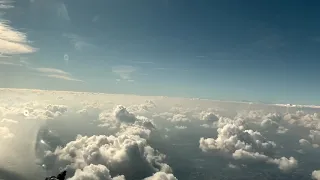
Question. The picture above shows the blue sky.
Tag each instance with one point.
(229, 50)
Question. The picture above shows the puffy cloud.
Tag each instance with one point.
(179, 118)
(94, 172)
(300, 118)
(282, 130)
(268, 123)
(285, 164)
(123, 153)
(243, 154)
(48, 112)
(232, 166)
(208, 117)
(234, 137)
(161, 176)
(316, 175)
(146, 107)
(315, 136)
(5, 133)
(304, 142)
(122, 115)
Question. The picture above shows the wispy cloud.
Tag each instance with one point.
(63, 11)
(78, 42)
(64, 77)
(56, 73)
(51, 70)
(12, 41)
(10, 63)
(125, 72)
(5, 5)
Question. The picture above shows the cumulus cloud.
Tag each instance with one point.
(234, 137)
(32, 111)
(300, 118)
(126, 153)
(232, 166)
(179, 118)
(119, 115)
(304, 142)
(143, 108)
(94, 172)
(282, 130)
(125, 143)
(208, 117)
(316, 175)
(284, 163)
(161, 176)
(119, 154)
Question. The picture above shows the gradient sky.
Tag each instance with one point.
(229, 50)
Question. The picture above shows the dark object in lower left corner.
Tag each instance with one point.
(61, 176)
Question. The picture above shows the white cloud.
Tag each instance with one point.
(67, 78)
(119, 154)
(179, 118)
(232, 166)
(285, 164)
(5, 133)
(10, 63)
(304, 142)
(282, 130)
(208, 117)
(316, 175)
(181, 127)
(12, 41)
(131, 131)
(161, 176)
(56, 73)
(10, 121)
(234, 137)
(6, 4)
(94, 172)
(51, 71)
(303, 119)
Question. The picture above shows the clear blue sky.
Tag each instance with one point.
(266, 50)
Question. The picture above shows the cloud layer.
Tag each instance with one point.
(101, 136)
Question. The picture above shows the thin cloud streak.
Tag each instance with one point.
(63, 77)
(51, 70)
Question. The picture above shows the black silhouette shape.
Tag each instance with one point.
(61, 176)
